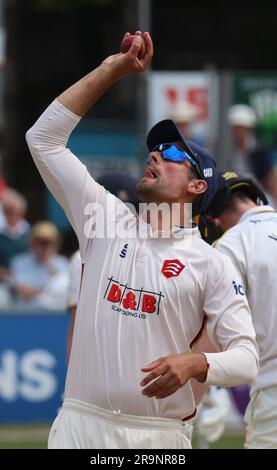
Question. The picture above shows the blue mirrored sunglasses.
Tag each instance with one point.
(176, 154)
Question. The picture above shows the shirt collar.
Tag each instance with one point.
(146, 231)
(256, 211)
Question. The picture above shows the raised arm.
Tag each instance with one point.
(64, 175)
(83, 94)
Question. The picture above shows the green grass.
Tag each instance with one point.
(229, 440)
(24, 437)
(35, 437)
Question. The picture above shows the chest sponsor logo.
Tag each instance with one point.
(128, 301)
(172, 268)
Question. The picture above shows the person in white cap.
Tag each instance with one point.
(242, 119)
(39, 277)
(184, 115)
(250, 158)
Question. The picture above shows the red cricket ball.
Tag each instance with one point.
(127, 42)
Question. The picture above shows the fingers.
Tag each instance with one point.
(157, 387)
(135, 47)
(157, 372)
(152, 365)
(147, 39)
(149, 49)
(129, 63)
(166, 375)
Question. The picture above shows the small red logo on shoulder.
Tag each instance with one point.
(172, 268)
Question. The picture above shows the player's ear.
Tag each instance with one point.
(197, 186)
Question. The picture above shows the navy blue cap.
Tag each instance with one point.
(166, 131)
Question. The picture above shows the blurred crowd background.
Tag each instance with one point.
(213, 72)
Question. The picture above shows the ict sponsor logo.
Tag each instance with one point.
(238, 288)
(136, 303)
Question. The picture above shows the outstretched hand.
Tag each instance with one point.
(128, 63)
(85, 92)
(172, 372)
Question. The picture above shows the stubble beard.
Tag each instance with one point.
(148, 193)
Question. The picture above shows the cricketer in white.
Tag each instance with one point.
(130, 312)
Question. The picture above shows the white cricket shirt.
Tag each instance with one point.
(131, 309)
(252, 245)
(75, 273)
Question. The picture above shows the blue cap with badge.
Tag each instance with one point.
(160, 138)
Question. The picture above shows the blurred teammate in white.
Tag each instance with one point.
(145, 290)
(250, 239)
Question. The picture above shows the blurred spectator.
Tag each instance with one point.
(184, 115)
(250, 158)
(40, 277)
(14, 230)
(3, 185)
(3, 189)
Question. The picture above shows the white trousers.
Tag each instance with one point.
(82, 426)
(261, 420)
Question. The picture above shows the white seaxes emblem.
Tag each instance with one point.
(172, 268)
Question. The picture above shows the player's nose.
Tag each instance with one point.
(154, 157)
